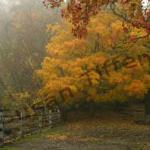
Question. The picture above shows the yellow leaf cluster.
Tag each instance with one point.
(136, 89)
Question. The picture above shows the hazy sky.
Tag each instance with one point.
(9, 2)
(145, 3)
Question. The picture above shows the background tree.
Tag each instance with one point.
(22, 41)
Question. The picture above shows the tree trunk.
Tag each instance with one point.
(147, 107)
(64, 113)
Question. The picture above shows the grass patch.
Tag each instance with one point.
(36, 136)
(8, 148)
(43, 134)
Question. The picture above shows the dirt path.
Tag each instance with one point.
(75, 143)
(108, 133)
(121, 140)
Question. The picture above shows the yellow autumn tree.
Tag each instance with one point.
(78, 70)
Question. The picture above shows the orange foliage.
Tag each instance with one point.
(78, 64)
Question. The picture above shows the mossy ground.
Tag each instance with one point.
(105, 131)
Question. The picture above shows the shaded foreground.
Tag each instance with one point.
(103, 132)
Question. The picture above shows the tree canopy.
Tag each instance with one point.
(102, 67)
(79, 12)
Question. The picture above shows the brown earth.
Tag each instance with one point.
(105, 131)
